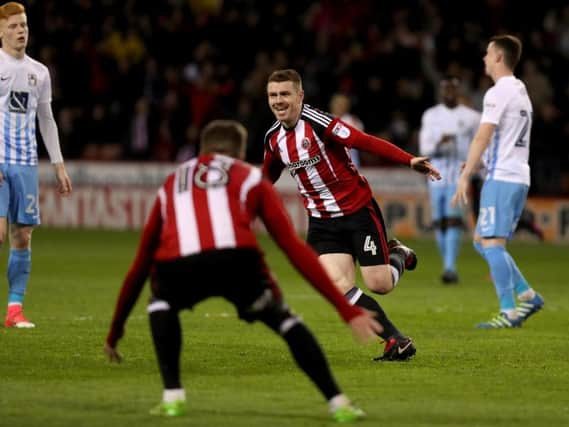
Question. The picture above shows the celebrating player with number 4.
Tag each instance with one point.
(345, 221)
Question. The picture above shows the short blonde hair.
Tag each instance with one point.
(10, 9)
(225, 137)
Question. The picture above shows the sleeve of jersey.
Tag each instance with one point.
(427, 138)
(347, 135)
(272, 167)
(48, 129)
(137, 274)
(279, 226)
(493, 107)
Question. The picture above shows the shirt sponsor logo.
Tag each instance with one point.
(303, 164)
(341, 131)
(18, 102)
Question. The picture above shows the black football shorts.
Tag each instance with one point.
(239, 275)
(361, 234)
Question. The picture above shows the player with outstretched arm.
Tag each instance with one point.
(198, 243)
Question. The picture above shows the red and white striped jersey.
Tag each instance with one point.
(204, 205)
(208, 204)
(316, 154)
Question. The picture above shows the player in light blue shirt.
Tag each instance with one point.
(503, 139)
(446, 132)
(25, 93)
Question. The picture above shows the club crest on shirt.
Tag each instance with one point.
(32, 79)
(341, 131)
(306, 143)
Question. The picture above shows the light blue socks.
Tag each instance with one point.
(502, 275)
(452, 245)
(440, 238)
(521, 285)
(19, 266)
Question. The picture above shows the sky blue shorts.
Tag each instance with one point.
(19, 194)
(501, 204)
(440, 197)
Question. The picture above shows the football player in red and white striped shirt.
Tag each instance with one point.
(198, 243)
(345, 222)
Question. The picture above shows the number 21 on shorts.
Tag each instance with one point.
(487, 215)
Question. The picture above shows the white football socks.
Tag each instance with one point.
(173, 394)
(338, 401)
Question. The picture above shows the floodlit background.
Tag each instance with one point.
(138, 80)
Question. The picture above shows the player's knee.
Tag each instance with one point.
(478, 247)
(271, 311)
(381, 282)
(454, 222)
(157, 305)
(288, 322)
(439, 224)
(341, 281)
(21, 237)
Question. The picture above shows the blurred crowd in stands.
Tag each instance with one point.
(137, 80)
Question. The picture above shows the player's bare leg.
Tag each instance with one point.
(341, 269)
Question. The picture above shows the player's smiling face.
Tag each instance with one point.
(14, 32)
(285, 100)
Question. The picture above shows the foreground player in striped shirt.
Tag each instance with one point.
(198, 243)
(25, 92)
(345, 221)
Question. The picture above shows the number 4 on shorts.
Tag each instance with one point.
(369, 246)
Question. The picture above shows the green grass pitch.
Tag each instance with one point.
(237, 374)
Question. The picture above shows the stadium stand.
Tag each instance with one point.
(137, 80)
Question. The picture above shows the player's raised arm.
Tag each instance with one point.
(345, 134)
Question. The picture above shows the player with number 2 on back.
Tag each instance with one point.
(345, 222)
(503, 138)
(25, 92)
